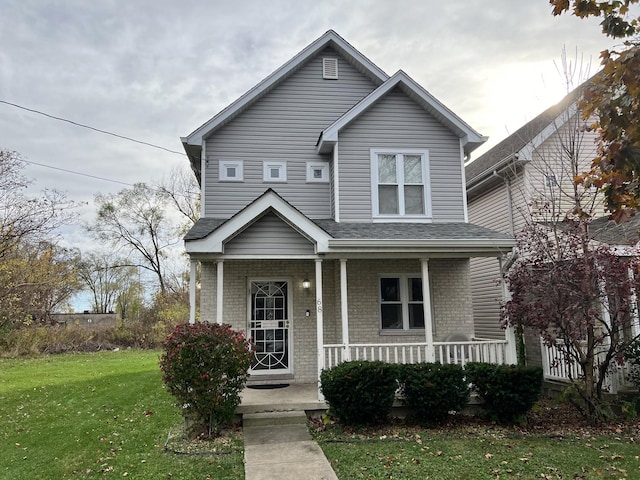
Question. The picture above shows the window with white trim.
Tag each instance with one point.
(317, 172)
(273, 171)
(231, 171)
(400, 184)
(401, 302)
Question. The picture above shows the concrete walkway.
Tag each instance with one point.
(277, 445)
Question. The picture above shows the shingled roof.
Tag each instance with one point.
(521, 138)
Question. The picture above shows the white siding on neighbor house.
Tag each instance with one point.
(396, 121)
(270, 235)
(284, 125)
(550, 158)
(491, 211)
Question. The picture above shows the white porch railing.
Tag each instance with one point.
(556, 367)
(489, 351)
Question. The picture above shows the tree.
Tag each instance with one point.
(578, 297)
(566, 286)
(183, 192)
(614, 98)
(36, 275)
(106, 278)
(35, 281)
(24, 218)
(136, 220)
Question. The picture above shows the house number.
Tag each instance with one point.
(319, 306)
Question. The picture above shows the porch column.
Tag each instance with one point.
(219, 289)
(344, 310)
(192, 292)
(509, 332)
(426, 305)
(319, 324)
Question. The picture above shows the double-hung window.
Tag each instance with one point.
(400, 184)
(401, 302)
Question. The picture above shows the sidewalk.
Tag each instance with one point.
(278, 446)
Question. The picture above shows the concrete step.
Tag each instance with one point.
(274, 418)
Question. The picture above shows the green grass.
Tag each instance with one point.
(479, 454)
(96, 415)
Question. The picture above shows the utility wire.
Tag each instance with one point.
(92, 128)
(76, 173)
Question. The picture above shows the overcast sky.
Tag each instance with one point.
(156, 70)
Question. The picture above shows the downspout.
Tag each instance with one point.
(507, 183)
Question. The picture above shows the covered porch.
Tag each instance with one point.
(314, 293)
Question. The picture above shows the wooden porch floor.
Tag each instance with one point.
(295, 396)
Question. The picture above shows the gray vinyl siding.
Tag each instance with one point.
(396, 121)
(284, 125)
(489, 210)
(269, 236)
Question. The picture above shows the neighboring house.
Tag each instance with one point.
(529, 177)
(334, 219)
(508, 184)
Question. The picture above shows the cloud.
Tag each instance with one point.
(156, 70)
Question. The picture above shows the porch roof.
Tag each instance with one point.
(442, 239)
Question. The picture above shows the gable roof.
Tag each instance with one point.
(471, 139)
(519, 145)
(192, 142)
(209, 235)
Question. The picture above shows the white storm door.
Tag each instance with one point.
(269, 326)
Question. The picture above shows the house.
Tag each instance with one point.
(334, 219)
(529, 178)
(514, 182)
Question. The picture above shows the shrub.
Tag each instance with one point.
(508, 391)
(632, 355)
(360, 392)
(205, 367)
(432, 390)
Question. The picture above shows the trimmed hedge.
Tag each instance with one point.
(360, 392)
(432, 390)
(508, 391)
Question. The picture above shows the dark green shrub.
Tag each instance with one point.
(432, 390)
(360, 392)
(205, 367)
(508, 391)
(632, 355)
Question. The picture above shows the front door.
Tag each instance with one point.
(269, 325)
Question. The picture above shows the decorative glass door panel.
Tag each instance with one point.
(269, 326)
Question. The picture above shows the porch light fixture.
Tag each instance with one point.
(306, 284)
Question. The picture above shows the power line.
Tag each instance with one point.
(92, 128)
(76, 173)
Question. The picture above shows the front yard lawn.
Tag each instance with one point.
(97, 415)
(482, 451)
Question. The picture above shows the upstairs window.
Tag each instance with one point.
(274, 171)
(231, 171)
(400, 184)
(317, 172)
(401, 303)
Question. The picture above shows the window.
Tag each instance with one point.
(317, 172)
(231, 171)
(274, 171)
(400, 183)
(401, 303)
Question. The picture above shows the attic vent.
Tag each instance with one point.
(330, 68)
